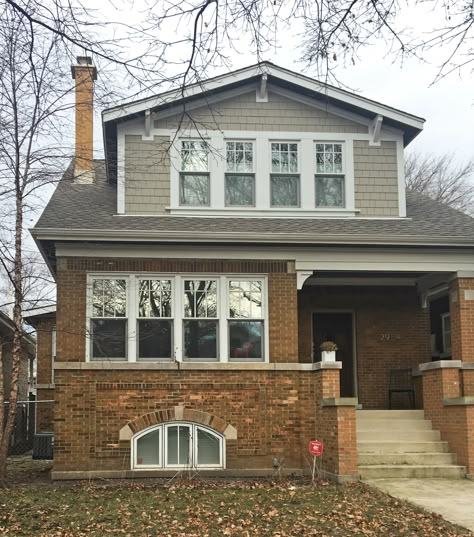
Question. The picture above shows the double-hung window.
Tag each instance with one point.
(284, 178)
(200, 323)
(329, 177)
(108, 323)
(246, 330)
(446, 330)
(240, 174)
(194, 187)
(154, 319)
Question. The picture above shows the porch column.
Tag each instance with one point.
(461, 306)
(449, 408)
(335, 423)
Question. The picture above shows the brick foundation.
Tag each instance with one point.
(274, 413)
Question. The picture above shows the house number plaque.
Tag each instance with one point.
(389, 337)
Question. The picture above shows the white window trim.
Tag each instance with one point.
(193, 448)
(262, 171)
(177, 309)
(342, 174)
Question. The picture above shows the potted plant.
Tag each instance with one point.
(328, 351)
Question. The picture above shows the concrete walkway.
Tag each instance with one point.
(453, 499)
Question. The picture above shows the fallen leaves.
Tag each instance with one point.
(212, 508)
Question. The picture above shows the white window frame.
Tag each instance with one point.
(206, 172)
(285, 174)
(90, 316)
(234, 173)
(163, 452)
(177, 307)
(137, 318)
(262, 166)
(341, 174)
(263, 319)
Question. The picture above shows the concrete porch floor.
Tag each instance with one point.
(453, 499)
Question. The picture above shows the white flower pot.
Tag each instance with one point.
(328, 356)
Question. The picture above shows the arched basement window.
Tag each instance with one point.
(178, 445)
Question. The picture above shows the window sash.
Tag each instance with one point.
(194, 156)
(250, 189)
(284, 157)
(329, 158)
(194, 196)
(240, 156)
(336, 186)
(277, 182)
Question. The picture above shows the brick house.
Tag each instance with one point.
(232, 228)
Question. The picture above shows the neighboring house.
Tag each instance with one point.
(233, 227)
(26, 381)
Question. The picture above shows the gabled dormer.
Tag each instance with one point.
(261, 141)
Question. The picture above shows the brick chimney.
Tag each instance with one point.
(84, 73)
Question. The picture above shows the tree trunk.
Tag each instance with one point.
(6, 433)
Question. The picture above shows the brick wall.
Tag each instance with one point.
(455, 423)
(71, 293)
(275, 413)
(378, 310)
(461, 305)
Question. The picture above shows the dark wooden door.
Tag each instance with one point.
(337, 327)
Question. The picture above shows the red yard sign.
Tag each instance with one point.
(316, 448)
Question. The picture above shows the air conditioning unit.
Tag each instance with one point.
(43, 446)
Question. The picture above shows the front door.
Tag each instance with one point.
(337, 327)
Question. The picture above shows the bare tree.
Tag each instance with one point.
(443, 179)
(180, 41)
(32, 154)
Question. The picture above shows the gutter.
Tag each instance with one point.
(239, 237)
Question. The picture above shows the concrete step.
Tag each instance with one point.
(394, 434)
(390, 425)
(383, 446)
(389, 471)
(390, 414)
(417, 459)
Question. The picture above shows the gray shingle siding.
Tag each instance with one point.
(278, 114)
(147, 175)
(376, 178)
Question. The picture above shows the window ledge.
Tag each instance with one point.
(252, 212)
(198, 366)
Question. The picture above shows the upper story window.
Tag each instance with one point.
(284, 178)
(194, 188)
(161, 318)
(240, 174)
(329, 177)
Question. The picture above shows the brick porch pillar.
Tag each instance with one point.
(449, 408)
(461, 305)
(335, 424)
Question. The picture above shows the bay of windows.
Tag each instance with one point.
(178, 445)
(191, 318)
(288, 169)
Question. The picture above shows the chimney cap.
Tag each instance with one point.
(84, 60)
(84, 63)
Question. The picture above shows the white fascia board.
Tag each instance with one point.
(307, 260)
(255, 70)
(257, 238)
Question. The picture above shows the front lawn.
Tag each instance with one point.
(211, 508)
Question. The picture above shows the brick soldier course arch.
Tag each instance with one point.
(177, 413)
